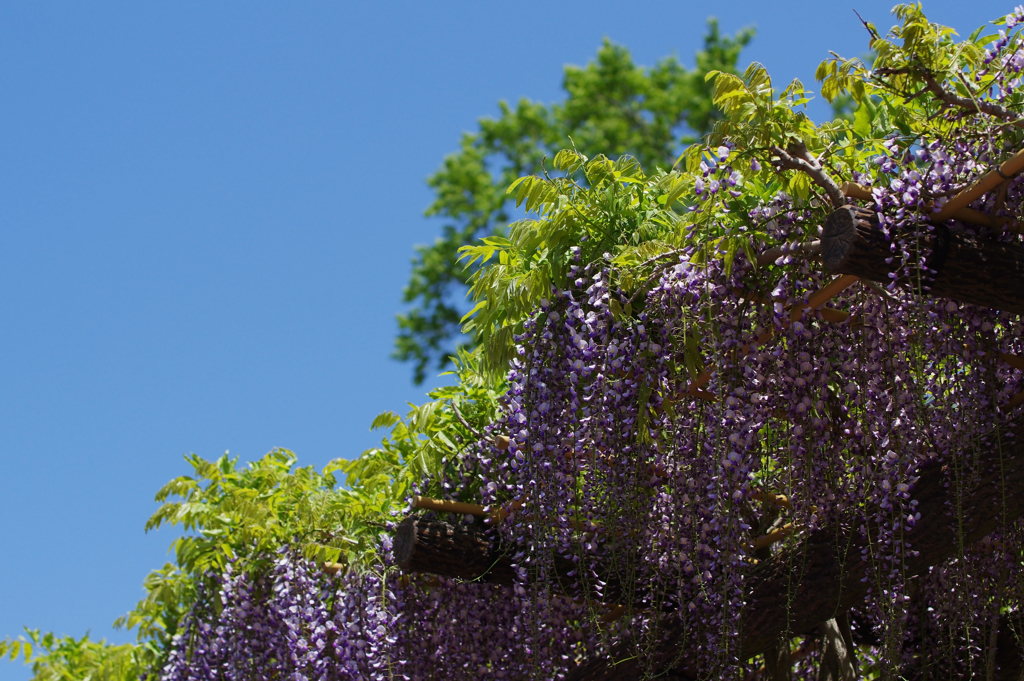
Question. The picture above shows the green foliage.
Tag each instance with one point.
(636, 223)
(777, 132)
(169, 594)
(244, 513)
(612, 107)
(615, 210)
(69, 659)
(429, 441)
(919, 72)
(234, 512)
(633, 222)
(581, 209)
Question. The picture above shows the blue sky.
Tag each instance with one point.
(207, 212)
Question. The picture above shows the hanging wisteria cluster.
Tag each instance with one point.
(653, 449)
(655, 483)
(647, 451)
(293, 622)
(298, 622)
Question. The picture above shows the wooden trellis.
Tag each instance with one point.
(963, 268)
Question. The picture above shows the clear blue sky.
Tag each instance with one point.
(207, 212)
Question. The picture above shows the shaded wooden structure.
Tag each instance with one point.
(933, 260)
(828, 559)
(941, 263)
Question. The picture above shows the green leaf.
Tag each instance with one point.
(476, 308)
(524, 190)
(385, 419)
(678, 189)
(863, 118)
(567, 160)
(691, 157)
(627, 166)
(616, 308)
(518, 181)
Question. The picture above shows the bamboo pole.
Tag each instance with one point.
(448, 506)
(444, 506)
(775, 535)
(777, 499)
(817, 299)
(833, 315)
(852, 190)
(833, 289)
(990, 181)
(975, 217)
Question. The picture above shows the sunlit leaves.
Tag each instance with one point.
(619, 210)
(838, 76)
(385, 419)
(66, 658)
(602, 210)
(611, 106)
(234, 512)
(632, 221)
(242, 514)
(756, 119)
(922, 77)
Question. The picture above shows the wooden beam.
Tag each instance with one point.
(474, 553)
(446, 506)
(974, 217)
(987, 183)
(970, 269)
(440, 548)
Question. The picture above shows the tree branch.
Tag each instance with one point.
(465, 424)
(972, 105)
(950, 98)
(796, 157)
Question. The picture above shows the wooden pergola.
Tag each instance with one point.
(960, 267)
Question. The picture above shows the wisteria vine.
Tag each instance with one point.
(663, 445)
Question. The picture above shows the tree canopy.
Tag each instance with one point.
(753, 413)
(612, 106)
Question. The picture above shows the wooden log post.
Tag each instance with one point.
(967, 269)
(472, 553)
(440, 548)
(838, 654)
